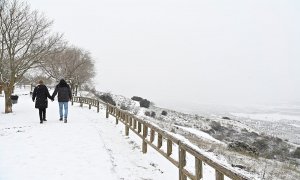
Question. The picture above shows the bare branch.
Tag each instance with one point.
(25, 40)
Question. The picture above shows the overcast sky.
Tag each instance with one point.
(199, 51)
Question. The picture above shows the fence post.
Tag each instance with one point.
(145, 133)
(182, 162)
(198, 169)
(72, 100)
(134, 123)
(152, 133)
(169, 147)
(126, 125)
(80, 100)
(159, 141)
(122, 116)
(98, 106)
(90, 106)
(107, 113)
(117, 116)
(130, 121)
(219, 175)
(126, 130)
(139, 127)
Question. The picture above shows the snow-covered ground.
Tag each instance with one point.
(87, 147)
(267, 116)
(200, 134)
(280, 122)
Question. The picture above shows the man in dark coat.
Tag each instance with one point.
(41, 93)
(64, 96)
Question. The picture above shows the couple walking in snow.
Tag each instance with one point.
(41, 93)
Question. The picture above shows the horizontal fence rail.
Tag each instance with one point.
(148, 132)
(91, 102)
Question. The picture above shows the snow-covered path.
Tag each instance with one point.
(87, 147)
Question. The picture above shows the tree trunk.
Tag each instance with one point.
(8, 103)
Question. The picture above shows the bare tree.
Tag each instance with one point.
(73, 64)
(25, 39)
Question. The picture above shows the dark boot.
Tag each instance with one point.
(65, 121)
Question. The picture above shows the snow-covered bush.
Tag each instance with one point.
(261, 144)
(243, 148)
(164, 113)
(107, 98)
(296, 154)
(153, 114)
(147, 113)
(150, 114)
(145, 103)
(215, 125)
(136, 98)
(124, 107)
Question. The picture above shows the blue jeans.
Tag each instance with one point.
(65, 106)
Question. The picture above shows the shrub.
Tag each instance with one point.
(278, 140)
(153, 114)
(150, 114)
(147, 113)
(164, 113)
(107, 98)
(145, 103)
(261, 144)
(277, 153)
(215, 125)
(136, 98)
(253, 134)
(296, 154)
(243, 147)
(244, 130)
(226, 118)
(219, 137)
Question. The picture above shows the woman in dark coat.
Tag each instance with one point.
(41, 94)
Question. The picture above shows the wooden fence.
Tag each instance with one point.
(91, 102)
(148, 132)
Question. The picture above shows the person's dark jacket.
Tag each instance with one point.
(64, 92)
(41, 93)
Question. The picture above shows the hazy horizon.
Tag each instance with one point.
(189, 51)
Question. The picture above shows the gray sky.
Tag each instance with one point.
(199, 51)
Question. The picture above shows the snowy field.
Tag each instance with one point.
(89, 146)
